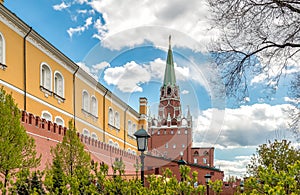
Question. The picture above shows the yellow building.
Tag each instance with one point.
(46, 83)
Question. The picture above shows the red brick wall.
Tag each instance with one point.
(47, 135)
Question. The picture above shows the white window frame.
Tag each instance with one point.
(45, 112)
(94, 108)
(85, 100)
(129, 127)
(59, 118)
(44, 82)
(110, 116)
(195, 161)
(86, 132)
(2, 48)
(117, 119)
(133, 128)
(111, 142)
(59, 86)
(94, 135)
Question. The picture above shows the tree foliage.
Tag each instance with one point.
(275, 169)
(17, 149)
(257, 37)
(70, 170)
(277, 155)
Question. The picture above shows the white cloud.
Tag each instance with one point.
(235, 167)
(127, 78)
(94, 70)
(61, 6)
(87, 69)
(244, 126)
(101, 66)
(122, 20)
(80, 29)
(185, 92)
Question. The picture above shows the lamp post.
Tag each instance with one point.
(207, 179)
(142, 140)
(242, 186)
(181, 162)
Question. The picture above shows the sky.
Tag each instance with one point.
(123, 45)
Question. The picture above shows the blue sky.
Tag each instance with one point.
(123, 45)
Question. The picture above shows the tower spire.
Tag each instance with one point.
(170, 78)
(169, 41)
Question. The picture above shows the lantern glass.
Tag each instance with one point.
(141, 141)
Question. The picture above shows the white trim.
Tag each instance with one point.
(63, 112)
(4, 49)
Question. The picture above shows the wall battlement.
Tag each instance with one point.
(48, 134)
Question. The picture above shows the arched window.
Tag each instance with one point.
(85, 101)
(196, 153)
(117, 120)
(45, 77)
(111, 142)
(86, 132)
(59, 84)
(59, 121)
(94, 106)
(133, 128)
(46, 115)
(117, 145)
(2, 49)
(129, 126)
(111, 116)
(94, 136)
(184, 122)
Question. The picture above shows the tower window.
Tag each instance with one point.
(169, 91)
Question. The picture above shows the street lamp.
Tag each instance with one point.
(207, 179)
(181, 162)
(242, 186)
(142, 139)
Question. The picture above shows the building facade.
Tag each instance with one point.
(53, 89)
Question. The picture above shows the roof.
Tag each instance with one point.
(170, 78)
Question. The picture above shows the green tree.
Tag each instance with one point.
(17, 149)
(216, 186)
(270, 181)
(70, 171)
(275, 169)
(278, 154)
